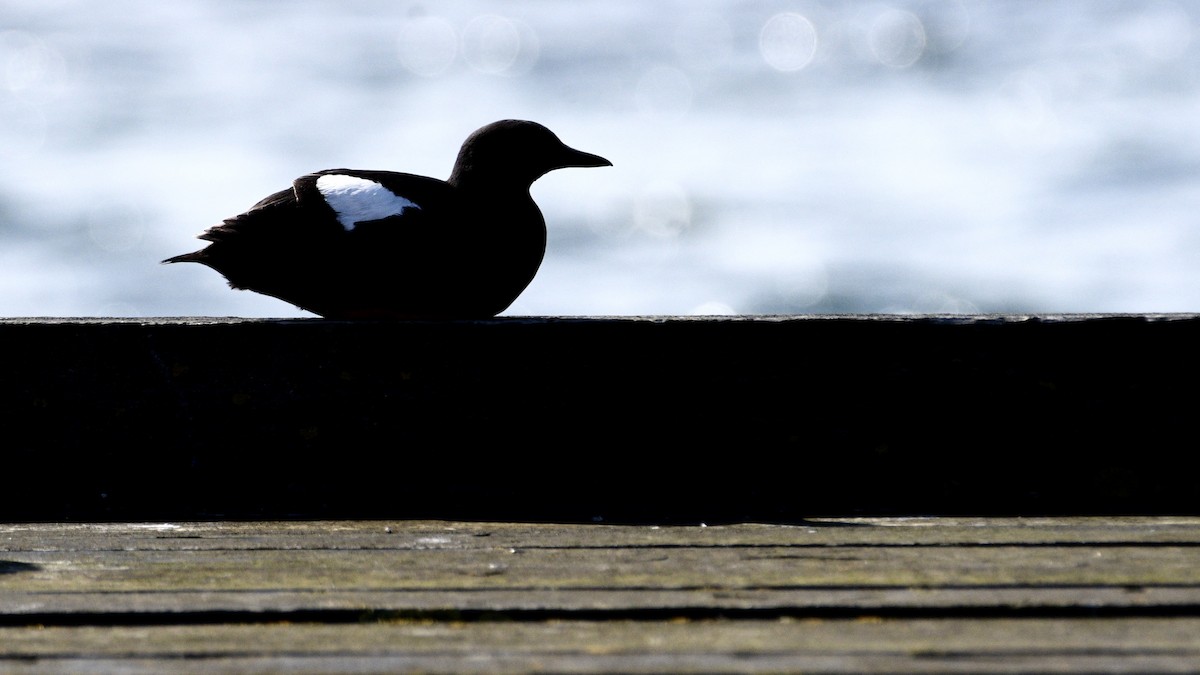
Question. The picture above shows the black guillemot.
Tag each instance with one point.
(353, 244)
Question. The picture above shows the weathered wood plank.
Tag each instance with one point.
(432, 566)
(834, 646)
(148, 607)
(426, 534)
(830, 595)
(676, 568)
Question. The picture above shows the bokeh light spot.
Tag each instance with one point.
(498, 45)
(788, 41)
(427, 45)
(664, 91)
(662, 209)
(947, 24)
(896, 38)
(937, 302)
(32, 70)
(1023, 107)
(713, 308)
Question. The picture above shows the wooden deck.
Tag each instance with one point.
(836, 595)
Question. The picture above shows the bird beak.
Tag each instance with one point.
(573, 157)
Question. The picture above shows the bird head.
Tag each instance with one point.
(515, 152)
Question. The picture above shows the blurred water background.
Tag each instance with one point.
(770, 157)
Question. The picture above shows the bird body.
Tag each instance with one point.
(359, 244)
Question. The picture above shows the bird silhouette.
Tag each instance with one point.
(355, 244)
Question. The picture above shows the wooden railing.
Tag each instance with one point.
(630, 418)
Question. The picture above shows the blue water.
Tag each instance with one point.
(770, 157)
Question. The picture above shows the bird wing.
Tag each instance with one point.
(356, 196)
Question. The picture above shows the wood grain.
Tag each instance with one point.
(1081, 594)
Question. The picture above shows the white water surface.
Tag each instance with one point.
(769, 157)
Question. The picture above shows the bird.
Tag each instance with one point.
(351, 244)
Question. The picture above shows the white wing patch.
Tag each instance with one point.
(357, 200)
